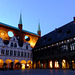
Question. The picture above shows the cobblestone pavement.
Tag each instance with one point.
(38, 72)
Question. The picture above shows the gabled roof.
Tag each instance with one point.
(17, 28)
(62, 33)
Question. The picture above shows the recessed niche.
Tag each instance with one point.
(10, 34)
(27, 38)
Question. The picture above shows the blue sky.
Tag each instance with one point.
(51, 13)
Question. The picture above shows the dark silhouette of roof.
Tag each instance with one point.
(59, 34)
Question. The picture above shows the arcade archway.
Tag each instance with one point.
(8, 62)
(1, 63)
(29, 64)
(17, 64)
(23, 64)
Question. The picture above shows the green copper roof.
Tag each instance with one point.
(17, 28)
(20, 21)
(39, 27)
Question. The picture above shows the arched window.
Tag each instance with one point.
(11, 44)
(15, 45)
(26, 46)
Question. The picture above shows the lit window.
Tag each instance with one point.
(72, 46)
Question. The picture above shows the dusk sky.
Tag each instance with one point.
(51, 13)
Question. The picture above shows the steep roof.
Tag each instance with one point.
(62, 33)
(17, 28)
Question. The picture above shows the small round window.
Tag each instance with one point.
(27, 38)
(10, 34)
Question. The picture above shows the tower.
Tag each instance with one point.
(39, 30)
(20, 23)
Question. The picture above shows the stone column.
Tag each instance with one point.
(13, 53)
(9, 52)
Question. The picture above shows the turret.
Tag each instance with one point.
(20, 23)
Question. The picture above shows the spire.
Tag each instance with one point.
(20, 21)
(39, 30)
(39, 27)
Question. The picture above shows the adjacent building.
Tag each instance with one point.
(56, 49)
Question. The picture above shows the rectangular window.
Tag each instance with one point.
(2, 52)
(18, 53)
(7, 52)
(22, 54)
(14, 53)
(11, 53)
(25, 54)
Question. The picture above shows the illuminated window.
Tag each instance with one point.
(10, 34)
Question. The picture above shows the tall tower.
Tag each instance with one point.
(20, 23)
(39, 30)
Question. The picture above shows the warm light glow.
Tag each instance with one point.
(1, 63)
(23, 66)
(27, 64)
(16, 61)
(56, 64)
(63, 63)
(50, 64)
(32, 44)
(72, 60)
(2, 33)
